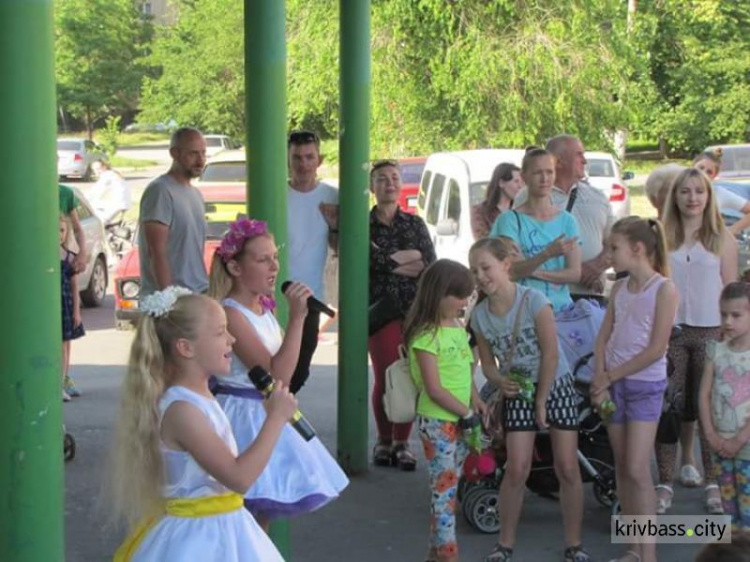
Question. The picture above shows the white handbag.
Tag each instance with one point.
(400, 400)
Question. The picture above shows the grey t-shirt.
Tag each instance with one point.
(498, 331)
(181, 208)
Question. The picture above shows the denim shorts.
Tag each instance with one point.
(636, 400)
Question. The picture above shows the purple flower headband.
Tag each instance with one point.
(239, 232)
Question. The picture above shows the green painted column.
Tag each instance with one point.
(354, 155)
(265, 142)
(31, 456)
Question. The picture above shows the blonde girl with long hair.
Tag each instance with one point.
(178, 477)
(301, 476)
(703, 258)
(631, 362)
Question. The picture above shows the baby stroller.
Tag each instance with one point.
(483, 472)
(69, 446)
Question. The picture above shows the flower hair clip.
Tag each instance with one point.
(240, 231)
(162, 302)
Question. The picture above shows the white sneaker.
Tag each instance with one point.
(65, 396)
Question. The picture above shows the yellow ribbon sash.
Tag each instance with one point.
(179, 507)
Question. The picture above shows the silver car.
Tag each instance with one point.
(92, 281)
(76, 156)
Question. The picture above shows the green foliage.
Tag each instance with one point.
(99, 46)
(108, 135)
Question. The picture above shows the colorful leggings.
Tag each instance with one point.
(445, 451)
(733, 476)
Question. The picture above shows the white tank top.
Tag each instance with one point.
(696, 273)
(269, 333)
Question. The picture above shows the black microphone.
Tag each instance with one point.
(312, 303)
(264, 383)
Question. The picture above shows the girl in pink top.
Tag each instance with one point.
(630, 360)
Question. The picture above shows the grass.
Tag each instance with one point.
(133, 163)
(645, 167)
(135, 139)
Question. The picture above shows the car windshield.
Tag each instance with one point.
(735, 161)
(68, 145)
(411, 172)
(477, 192)
(225, 172)
(219, 215)
(213, 141)
(599, 168)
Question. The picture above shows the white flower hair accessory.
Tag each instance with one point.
(161, 302)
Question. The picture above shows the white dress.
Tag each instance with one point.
(228, 537)
(300, 476)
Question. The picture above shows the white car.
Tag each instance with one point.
(604, 174)
(452, 183)
(92, 281)
(76, 156)
(225, 168)
(218, 143)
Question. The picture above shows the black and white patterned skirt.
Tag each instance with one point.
(562, 409)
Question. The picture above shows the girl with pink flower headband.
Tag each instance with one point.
(301, 475)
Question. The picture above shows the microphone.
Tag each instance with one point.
(264, 383)
(312, 303)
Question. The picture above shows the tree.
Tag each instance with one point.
(99, 49)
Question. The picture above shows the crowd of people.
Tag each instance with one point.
(205, 460)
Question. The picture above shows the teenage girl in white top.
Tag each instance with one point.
(703, 258)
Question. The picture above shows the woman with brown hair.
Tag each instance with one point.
(505, 183)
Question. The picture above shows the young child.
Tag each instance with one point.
(72, 326)
(631, 363)
(725, 404)
(301, 476)
(440, 362)
(176, 467)
(537, 357)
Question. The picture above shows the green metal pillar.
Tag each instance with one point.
(354, 155)
(265, 142)
(31, 456)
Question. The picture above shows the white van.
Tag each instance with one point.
(452, 183)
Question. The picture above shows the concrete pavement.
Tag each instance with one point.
(382, 515)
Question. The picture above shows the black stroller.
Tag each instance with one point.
(479, 495)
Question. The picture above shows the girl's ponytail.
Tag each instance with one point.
(660, 260)
(219, 280)
(138, 471)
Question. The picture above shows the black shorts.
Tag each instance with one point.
(562, 409)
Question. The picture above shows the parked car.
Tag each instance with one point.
(453, 182)
(228, 167)
(411, 175)
(76, 156)
(219, 143)
(735, 162)
(604, 174)
(223, 204)
(92, 281)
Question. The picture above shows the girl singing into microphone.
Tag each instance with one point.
(301, 476)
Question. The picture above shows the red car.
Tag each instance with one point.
(411, 175)
(224, 204)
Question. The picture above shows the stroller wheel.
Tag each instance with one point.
(605, 493)
(69, 447)
(484, 515)
(470, 495)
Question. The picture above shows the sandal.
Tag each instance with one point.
(713, 500)
(663, 504)
(381, 455)
(690, 477)
(499, 553)
(403, 458)
(577, 554)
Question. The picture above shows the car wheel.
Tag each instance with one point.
(94, 294)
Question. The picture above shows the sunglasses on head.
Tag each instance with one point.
(303, 137)
(382, 164)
